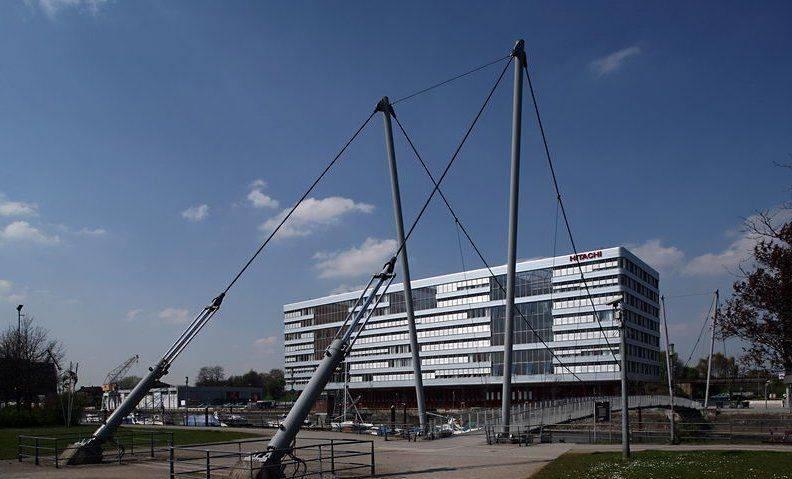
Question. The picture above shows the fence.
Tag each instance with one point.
(739, 431)
(46, 450)
(309, 458)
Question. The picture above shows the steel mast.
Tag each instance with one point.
(669, 371)
(712, 349)
(514, 199)
(268, 465)
(385, 107)
(90, 450)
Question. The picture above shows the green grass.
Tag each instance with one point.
(671, 465)
(8, 436)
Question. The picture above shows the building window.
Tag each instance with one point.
(538, 314)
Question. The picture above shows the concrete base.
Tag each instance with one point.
(89, 453)
(249, 468)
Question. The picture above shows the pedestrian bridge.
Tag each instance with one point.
(546, 413)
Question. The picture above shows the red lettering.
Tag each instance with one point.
(585, 256)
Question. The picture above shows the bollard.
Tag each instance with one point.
(208, 466)
(132, 441)
(171, 460)
(37, 451)
(151, 442)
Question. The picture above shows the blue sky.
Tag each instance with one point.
(145, 145)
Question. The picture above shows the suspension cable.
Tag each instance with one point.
(299, 202)
(459, 243)
(453, 157)
(446, 82)
(701, 333)
(564, 214)
(475, 246)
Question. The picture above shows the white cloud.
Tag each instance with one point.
(739, 252)
(266, 344)
(662, 258)
(17, 208)
(613, 62)
(91, 232)
(22, 231)
(7, 292)
(728, 260)
(314, 213)
(196, 213)
(346, 288)
(174, 315)
(133, 314)
(268, 341)
(355, 261)
(53, 7)
(259, 200)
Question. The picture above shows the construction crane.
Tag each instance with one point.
(111, 398)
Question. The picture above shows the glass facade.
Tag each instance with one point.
(538, 314)
(460, 322)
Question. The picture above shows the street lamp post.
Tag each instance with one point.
(17, 387)
(618, 315)
(186, 400)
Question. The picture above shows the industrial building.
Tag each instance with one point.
(459, 318)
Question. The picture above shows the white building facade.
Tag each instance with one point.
(459, 318)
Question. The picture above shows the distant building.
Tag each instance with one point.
(37, 379)
(460, 320)
(92, 395)
(172, 397)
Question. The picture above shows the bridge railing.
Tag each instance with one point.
(560, 411)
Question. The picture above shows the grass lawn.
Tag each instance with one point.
(671, 465)
(8, 436)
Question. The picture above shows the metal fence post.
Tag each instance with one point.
(332, 456)
(56, 454)
(132, 440)
(171, 460)
(208, 466)
(151, 442)
(373, 468)
(37, 451)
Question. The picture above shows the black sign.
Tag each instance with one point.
(602, 411)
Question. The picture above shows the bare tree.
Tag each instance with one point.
(760, 309)
(28, 354)
(210, 376)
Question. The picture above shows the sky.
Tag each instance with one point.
(147, 147)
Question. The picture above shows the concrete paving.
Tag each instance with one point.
(463, 457)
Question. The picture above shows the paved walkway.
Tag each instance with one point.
(463, 457)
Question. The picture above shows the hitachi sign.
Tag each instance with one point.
(584, 256)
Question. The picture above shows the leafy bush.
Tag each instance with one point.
(51, 413)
